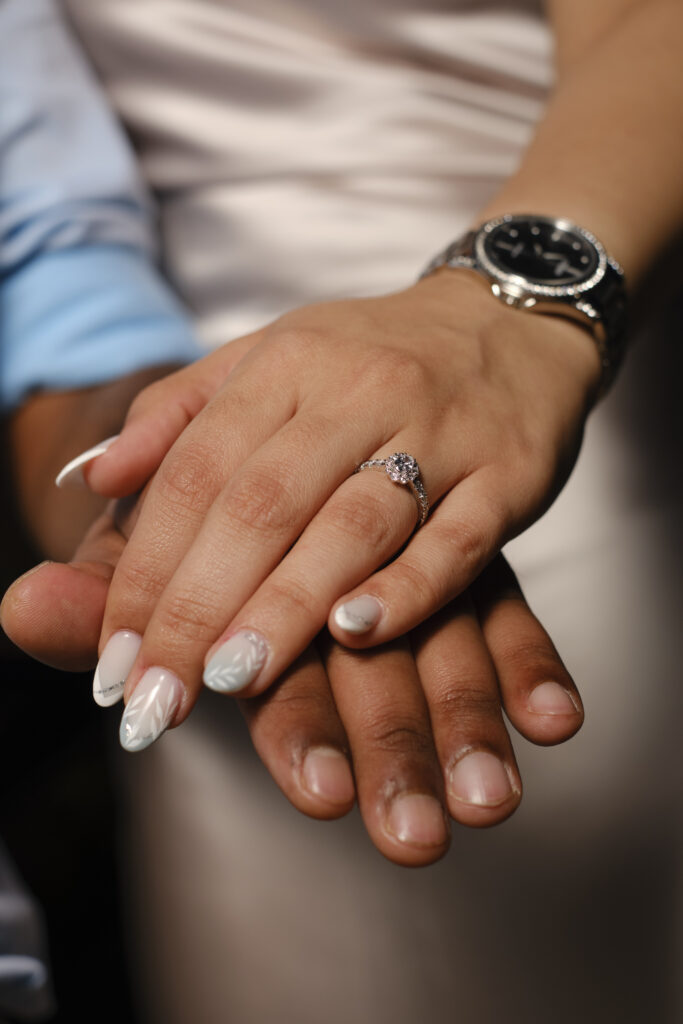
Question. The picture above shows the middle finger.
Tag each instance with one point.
(398, 778)
(204, 605)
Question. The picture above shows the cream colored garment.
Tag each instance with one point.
(315, 149)
(303, 150)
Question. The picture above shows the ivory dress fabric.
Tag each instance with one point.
(316, 149)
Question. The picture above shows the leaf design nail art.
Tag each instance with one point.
(237, 662)
(150, 709)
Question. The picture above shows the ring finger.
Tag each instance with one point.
(208, 603)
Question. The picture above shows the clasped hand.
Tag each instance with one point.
(254, 533)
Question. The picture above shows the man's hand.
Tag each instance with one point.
(414, 729)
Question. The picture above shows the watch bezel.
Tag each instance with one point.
(517, 281)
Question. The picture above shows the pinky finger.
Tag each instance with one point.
(540, 697)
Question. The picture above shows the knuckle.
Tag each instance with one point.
(529, 658)
(140, 582)
(263, 501)
(466, 704)
(286, 699)
(366, 518)
(186, 477)
(293, 718)
(294, 708)
(294, 342)
(470, 540)
(411, 579)
(399, 737)
(297, 597)
(394, 369)
(146, 399)
(184, 616)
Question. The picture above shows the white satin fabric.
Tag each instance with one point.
(315, 149)
(318, 148)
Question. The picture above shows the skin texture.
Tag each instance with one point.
(271, 532)
(48, 430)
(215, 549)
(397, 720)
(501, 399)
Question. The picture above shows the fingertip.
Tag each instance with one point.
(17, 598)
(54, 612)
(551, 714)
(155, 421)
(318, 782)
(73, 474)
(327, 780)
(123, 467)
(358, 622)
(483, 789)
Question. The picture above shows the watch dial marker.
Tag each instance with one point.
(541, 252)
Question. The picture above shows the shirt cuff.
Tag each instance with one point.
(74, 318)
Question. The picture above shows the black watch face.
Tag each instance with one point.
(540, 251)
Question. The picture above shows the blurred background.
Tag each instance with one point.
(58, 814)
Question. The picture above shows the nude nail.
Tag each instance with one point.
(151, 708)
(237, 662)
(551, 699)
(481, 779)
(326, 773)
(118, 658)
(72, 474)
(359, 614)
(418, 820)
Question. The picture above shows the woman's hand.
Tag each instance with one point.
(256, 526)
(415, 728)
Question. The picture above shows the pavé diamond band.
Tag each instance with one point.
(403, 469)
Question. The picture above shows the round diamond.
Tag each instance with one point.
(402, 468)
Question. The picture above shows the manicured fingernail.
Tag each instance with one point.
(417, 819)
(480, 778)
(551, 699)
(72, 474)
(237, 662)
(327, 773)
(150, 709)
(118, 658)
(358, 615)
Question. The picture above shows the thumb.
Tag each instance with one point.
(54, 612)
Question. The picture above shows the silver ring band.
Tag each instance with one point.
(403, 469)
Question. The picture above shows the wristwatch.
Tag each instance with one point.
(548, 265)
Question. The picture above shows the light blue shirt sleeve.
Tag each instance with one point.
(81, 300)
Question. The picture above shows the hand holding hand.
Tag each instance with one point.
(414, 729)
(255, 526)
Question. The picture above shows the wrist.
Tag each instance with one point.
(547, 265)
(540, 340)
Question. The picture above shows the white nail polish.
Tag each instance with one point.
(118, 658)
(358, 615)
(72, 474)
(237, 662)
(150, 709)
